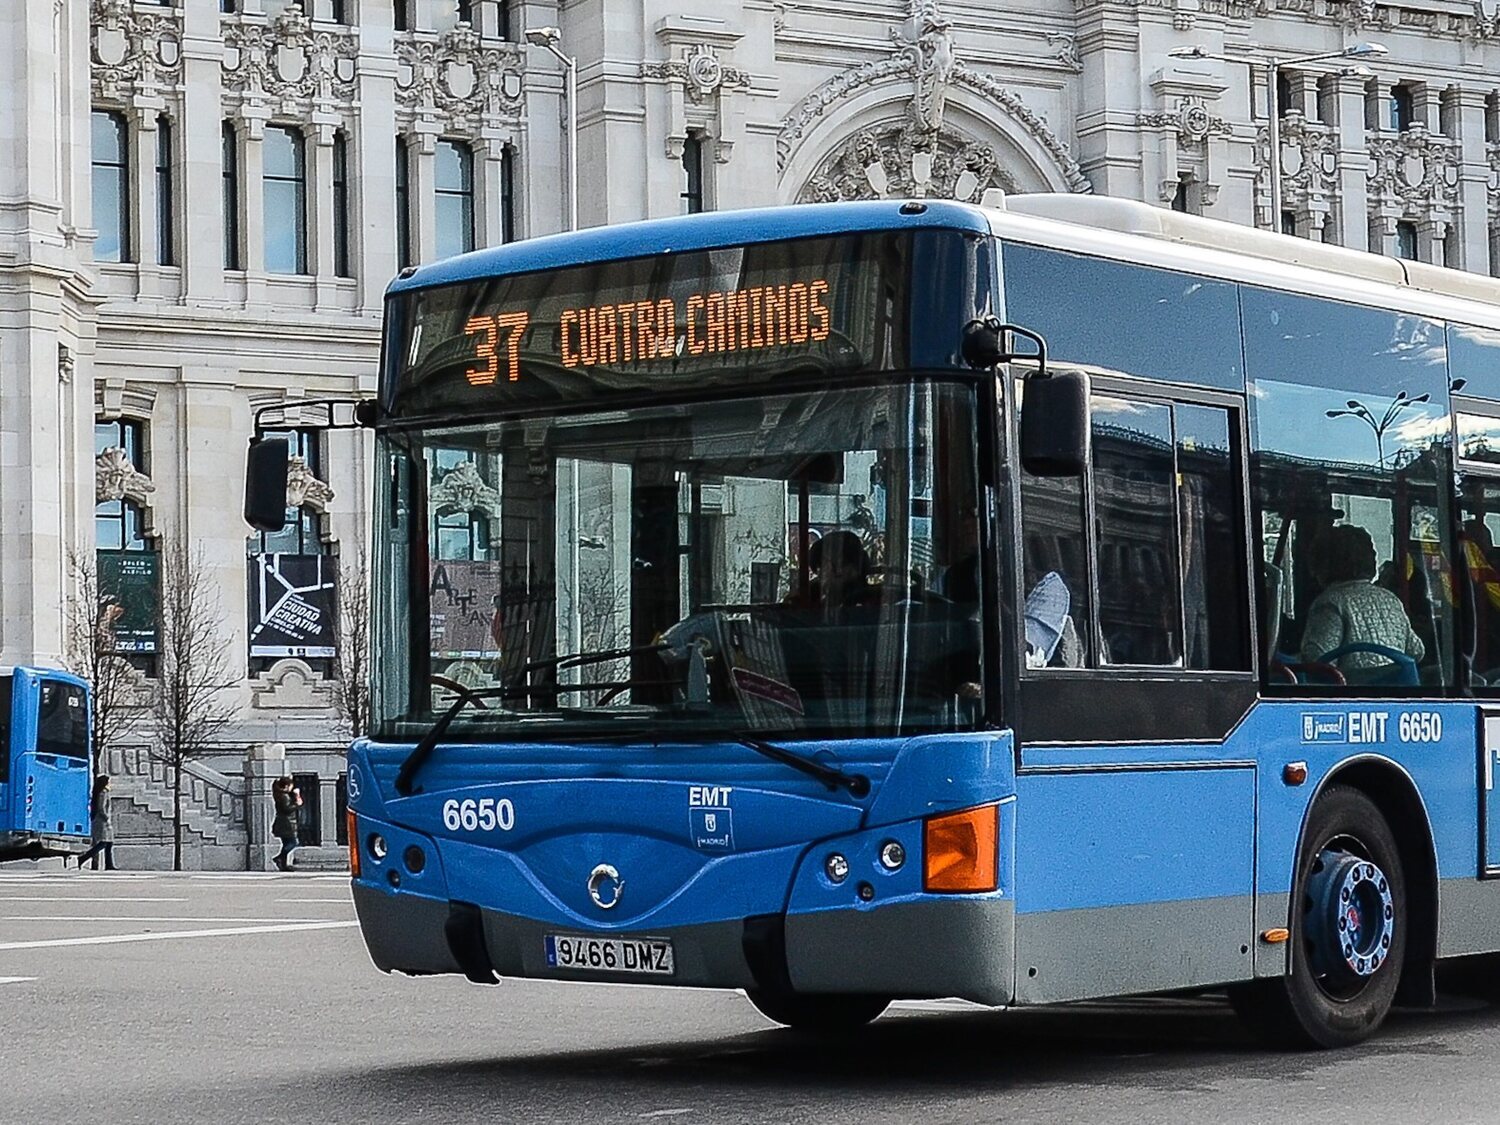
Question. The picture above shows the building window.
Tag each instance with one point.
(340, 11)
(1289, 222)
(1283, 93)
(119, 525)
(401, 14)
(228, 6)
(502, 13)
(111, 182)
(1180, 197)
(303, 533)
(692, 174)
(454, 216)
(1492, 117)
(403, 204)
(231, 176)
(508, 194)
(165, 255)
(466, 11)
(341, 206)
(1406, 241)
(1402, 108)
(285, 200)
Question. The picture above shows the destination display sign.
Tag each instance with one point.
(744, 315)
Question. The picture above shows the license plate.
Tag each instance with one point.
(611, 955)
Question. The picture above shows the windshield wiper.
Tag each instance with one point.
(428, 742)
(831, 776)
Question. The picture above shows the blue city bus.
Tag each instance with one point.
(44, 763)
(868, 601)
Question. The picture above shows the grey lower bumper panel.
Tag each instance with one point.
(924, 950)
(914, 950)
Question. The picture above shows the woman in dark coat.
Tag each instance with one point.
(101, 834)
(284, 826)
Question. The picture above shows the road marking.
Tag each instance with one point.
(140, 918)
(120, 939)
(82, 898)
(15, 980)
(345, 901)
(665, 1113)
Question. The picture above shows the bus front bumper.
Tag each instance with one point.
(931, 947)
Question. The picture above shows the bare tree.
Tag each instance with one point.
(352, 625)
(194, 671)
(92, 654)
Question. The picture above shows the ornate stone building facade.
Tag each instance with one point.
(201, 202)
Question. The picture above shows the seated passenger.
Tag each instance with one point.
(1352, 609)
(841, 570)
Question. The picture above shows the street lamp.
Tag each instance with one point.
(1356, 409)
(1272, 66)
(548, 38)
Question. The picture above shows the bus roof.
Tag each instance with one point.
(707, 231)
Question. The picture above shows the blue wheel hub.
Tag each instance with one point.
(1351, 918)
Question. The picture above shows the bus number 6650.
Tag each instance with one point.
(485, 814)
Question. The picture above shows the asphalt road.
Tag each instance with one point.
(249, 999)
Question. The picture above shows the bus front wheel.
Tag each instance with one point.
(1348, 931)
(823, 1013)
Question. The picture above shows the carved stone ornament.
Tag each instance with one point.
(303, 490)
(134, 50)
(459, 78)
(926, 41)
(462, 489)
(1191, 119)
(1309, 165)
(925, 59)
(899, 161)
(700, 72)
(115, 478)
(1415, 172)
(284, 60)
(1492, 152)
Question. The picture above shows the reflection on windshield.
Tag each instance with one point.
(790, 564)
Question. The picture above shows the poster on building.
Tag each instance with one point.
(128, 587)
(293, 599)
(463, 597)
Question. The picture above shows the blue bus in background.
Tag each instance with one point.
(44, 763)
(857, 602)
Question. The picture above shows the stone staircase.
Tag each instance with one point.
(213, 805)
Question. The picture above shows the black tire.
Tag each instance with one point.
(823, 1013)
(1325, 1002)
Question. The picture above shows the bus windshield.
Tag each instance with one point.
(793, 564)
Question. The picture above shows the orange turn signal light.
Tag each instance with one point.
(352, 822)
(961, 851)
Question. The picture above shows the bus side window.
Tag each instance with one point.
(1351, 451)
(1055, 570)
(5, 727)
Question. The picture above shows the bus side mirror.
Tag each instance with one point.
(265, 484)
(1055, 424)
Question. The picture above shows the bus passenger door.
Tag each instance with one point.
(1480, 639)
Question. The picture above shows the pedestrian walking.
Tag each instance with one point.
(101, 835)
(288, 800)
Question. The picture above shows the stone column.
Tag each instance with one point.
(372, 203)
(423, 181)
(1354, 162)
(253, 196)
(320, 213)
(200, 187)
(264, 763)
(143, 141)
(489, 187)
(1473, 181)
